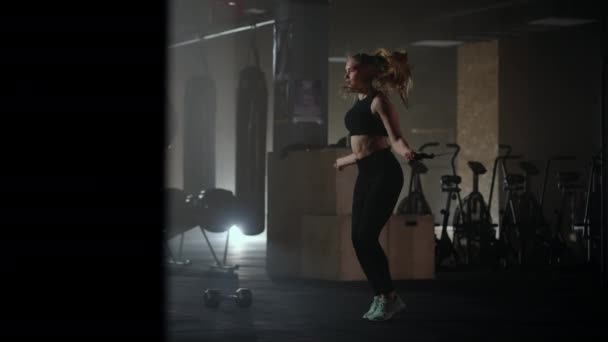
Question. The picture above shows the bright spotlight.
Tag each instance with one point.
(237, 238)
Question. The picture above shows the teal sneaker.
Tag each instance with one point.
(372, 308)
(386, 309)
(398, 305)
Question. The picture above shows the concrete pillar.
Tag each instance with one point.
(477, 115)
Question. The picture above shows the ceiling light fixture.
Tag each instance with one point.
(336, 59)
(255, 11)
(437, 43)
(556, 21)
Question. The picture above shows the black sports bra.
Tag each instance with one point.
(360, 120)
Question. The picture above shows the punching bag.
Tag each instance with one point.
(251, 118)
(199, 134)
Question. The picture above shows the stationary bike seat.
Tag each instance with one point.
(450, 179)
(477, 167)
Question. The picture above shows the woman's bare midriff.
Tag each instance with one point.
(364, 145)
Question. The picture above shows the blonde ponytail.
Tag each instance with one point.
(395, 74)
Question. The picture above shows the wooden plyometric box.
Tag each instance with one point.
(327, 251)
(411, 246)
(302, 182)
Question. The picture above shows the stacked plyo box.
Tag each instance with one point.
(411, 246)
(309, 222)
(302, 183)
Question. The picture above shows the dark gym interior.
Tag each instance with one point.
(179, 185)
(508, 98)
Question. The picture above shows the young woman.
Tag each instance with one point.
(373, 126)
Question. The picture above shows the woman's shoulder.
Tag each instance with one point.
(380, 99)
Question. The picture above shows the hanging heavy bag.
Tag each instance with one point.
(251, 119)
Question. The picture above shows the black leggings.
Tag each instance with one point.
(376, 193)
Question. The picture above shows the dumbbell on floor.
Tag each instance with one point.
(242, 297)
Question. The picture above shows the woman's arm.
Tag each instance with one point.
(383, 107)
(345, 161)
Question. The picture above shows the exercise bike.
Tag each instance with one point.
(558, 249)
(508, 244)
(533, 228)
(593, 209)
(445, 254)
(474, 231)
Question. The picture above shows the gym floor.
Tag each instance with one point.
(459, 305)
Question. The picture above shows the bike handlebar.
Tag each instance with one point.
(456, 146)
(420, 156)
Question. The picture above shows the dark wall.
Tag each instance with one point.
(550, 99)
(604, 235)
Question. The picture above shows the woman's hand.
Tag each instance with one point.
(343, 162)
(338, 165)
(408, 153)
